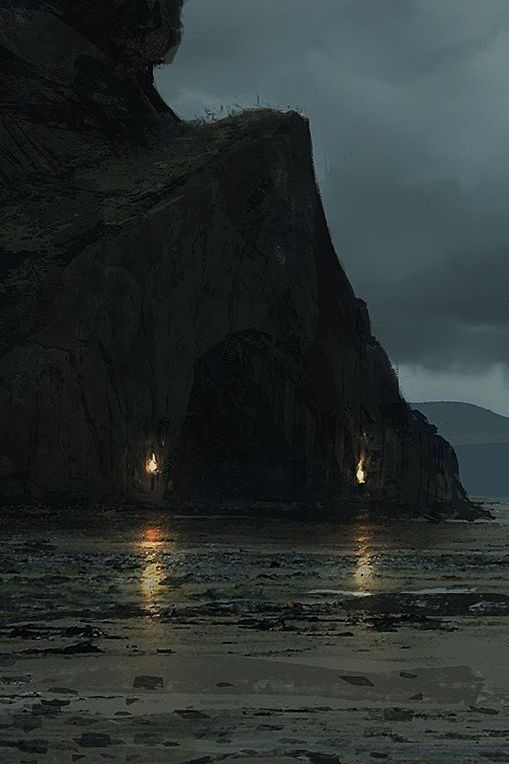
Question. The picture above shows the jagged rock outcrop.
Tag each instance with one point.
(76, 78)
(175, 323)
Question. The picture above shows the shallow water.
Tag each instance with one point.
(179, 638)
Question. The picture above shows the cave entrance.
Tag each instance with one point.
(233, 444)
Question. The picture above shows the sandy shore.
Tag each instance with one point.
(141, 636)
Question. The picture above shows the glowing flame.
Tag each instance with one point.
(361, 472)
(152, 467)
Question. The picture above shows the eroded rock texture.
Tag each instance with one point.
(76, 78)
(170, 292)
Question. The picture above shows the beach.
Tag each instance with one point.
(136, 634)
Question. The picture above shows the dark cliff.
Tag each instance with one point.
(175, 323)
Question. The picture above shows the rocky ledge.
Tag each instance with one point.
(175, 323)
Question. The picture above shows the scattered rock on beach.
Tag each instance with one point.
(398, 714)
(94, 740)
(191, 713)
(358, 680)
(149, 682)
(484, 710)
(323, 758)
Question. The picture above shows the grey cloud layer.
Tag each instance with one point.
(409, 107)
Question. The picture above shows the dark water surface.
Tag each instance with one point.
(137, 635)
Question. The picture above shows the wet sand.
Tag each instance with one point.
(137, 635)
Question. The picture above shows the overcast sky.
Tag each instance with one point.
(409, 107)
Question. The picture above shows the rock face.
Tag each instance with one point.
(76, 78)
(175, 323)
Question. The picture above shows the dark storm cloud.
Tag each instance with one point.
(409, 108)
(432, 260)
(457, 310)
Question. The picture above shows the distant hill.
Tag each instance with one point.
(481, 440)
(463, 423)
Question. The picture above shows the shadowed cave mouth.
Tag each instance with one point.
(233, 445)
(251, 431)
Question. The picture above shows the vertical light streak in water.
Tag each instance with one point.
(153, 572)
(364, 573)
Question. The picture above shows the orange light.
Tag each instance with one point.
(151, 465)
(361, 472)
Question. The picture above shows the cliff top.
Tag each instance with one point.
(49, 218)
(126, 185)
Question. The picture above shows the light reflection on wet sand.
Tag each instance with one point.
(364, 573)
(241, 618)
(152, 543)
